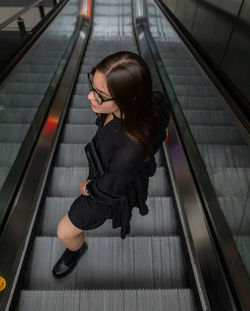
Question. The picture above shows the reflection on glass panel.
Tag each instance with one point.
(24, 90)
(222, 146)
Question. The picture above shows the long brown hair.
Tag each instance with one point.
(129, 82)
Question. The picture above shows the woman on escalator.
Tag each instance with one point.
(129, 133)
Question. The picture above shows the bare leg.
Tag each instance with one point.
(71, 236)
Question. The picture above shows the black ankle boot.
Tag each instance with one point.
(68, 261)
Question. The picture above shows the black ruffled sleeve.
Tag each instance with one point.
(111, 188)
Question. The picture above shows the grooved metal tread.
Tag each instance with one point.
(80, 116)
(223, 135)
(60, 187)
(225, 155)
(78, 133)
(207, 117)
(32, 77)
(26, 88)
(230, 181)
(113, 300)
(13, 133)
(21, 100)
(111, 263)
(200, 103)
(17, 115)
(159, 221)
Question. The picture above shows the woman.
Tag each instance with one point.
(121, 96)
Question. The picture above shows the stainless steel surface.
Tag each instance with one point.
(236, 62)
(20, 223)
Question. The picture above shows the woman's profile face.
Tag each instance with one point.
(100, 85)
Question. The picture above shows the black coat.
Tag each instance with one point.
(124, 184)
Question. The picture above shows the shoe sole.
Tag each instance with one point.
(72, 268)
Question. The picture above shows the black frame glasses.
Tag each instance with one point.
(98, 97)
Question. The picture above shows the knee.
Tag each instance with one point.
(65, 230)
(61, 234)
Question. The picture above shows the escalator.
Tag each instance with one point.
(113, 272)
(222, 144)
(22, 94)
(150, 269)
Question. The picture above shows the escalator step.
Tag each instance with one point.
(207, 117)
(80, 101)
(34, 60)
(183, 71)
(8, 152)
(111, 263)
(32, 77)
(61, 187)
(26, 88)
(230, 181)
(17, 115)
(81, 89)
(46, 53)
(20, 100)
(225, 155)
(185, 63)
(224, 135)
(36, 68)
(78, 133)
(13, 133)
(186, 80)
(81, 116)
(200, 103)
(194, 90)
(113, 300)
(159, 221)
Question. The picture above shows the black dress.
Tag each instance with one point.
(123, 186)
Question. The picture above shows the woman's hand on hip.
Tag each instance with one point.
(82, 187)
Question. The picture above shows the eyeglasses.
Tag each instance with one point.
(98, 97)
